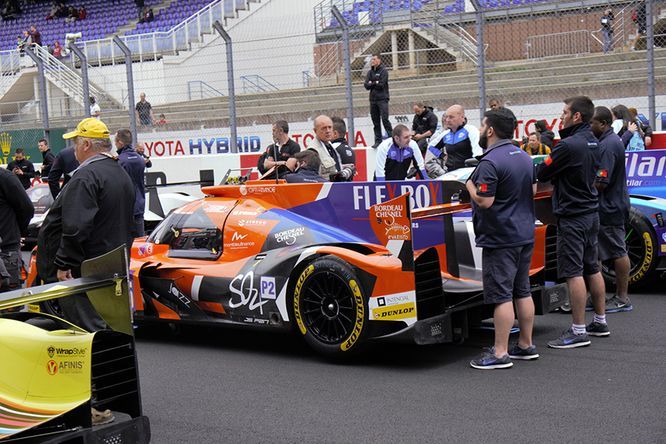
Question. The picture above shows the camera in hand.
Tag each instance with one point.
(345, 175)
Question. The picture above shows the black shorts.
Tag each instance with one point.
(612, 242)
(506, 273)
(577, 246)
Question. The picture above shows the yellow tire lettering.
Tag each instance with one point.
(645, 266)
(360, 317)
(297, 297)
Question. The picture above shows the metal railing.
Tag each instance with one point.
(66, 78)
(152, 46)
(255, 83)
(197, 89)
(558, 44)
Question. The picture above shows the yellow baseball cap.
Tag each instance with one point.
(90, 127)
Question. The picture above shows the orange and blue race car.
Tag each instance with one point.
(340, 263)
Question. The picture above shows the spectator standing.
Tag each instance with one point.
(35, 36)
(95, 110)
(306, 168)
(339, 142)
(547, 136)
(495, 103)
(22, 168)
(331, 163)
(92, 216)
(395, 156)
(639, 16)
(83, 14)
(63, 166)
(141, 150)
(144, 110)
(462, 139)
(502, 189)
(16, 210)
(607, 30)
(57, 50)
(572, 167)
(534, 147)
(282, 148)
(424, 125)
(613, 208)
(47, 157)
(377, 82)
(135, 166)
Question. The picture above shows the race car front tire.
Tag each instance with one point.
(329, 307)
(641, 249)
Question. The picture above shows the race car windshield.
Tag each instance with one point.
(191, 235)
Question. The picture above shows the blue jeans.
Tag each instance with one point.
(608, 39)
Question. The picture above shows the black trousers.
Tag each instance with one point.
(379, 114)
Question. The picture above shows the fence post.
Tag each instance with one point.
(480, 49)
(348, 74)
(43, 98)
(130, 85)
(650, 62)
(84, 76)
(230, 84)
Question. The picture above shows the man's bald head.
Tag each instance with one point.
(323, 128)
(454, 117)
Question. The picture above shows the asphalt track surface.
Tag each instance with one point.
(217, 385)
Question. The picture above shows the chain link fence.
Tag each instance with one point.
(288, 63)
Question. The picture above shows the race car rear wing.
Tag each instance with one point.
(104, 280)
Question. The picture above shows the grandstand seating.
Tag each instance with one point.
(166, 19)
(377, 8)
(104, 19)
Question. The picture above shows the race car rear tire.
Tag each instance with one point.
(641, 249)
(330, 308)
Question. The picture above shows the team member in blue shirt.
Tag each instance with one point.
(396, 155)
(502, 191)
(134, 164)
(613, 210)
(572, 167)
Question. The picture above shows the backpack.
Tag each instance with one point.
(636, 143)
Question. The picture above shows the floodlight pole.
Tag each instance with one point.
(348, 75)
(650, 63)
(230, 84)
(43, 98)
(481, 69)
(130, 85)
(84, 75)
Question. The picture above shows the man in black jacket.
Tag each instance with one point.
(282, 148)
(93, 215)
(22, 167)
(63, 165)
(16, 210)
(47, 157)
(572, 167)
(377, 83)
(424, 125)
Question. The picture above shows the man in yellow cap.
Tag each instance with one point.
(92, 215)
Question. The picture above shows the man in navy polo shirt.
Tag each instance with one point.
(572, 167)
(502, 191)
(613, 210)
(396, 155)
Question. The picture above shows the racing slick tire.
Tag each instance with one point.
(641, 248)
(330, 308)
